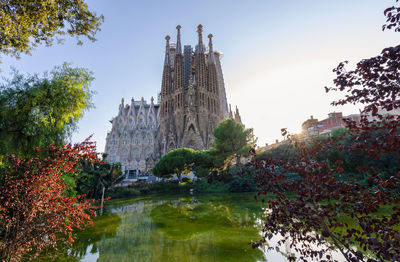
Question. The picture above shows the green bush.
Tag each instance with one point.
(225, 176)
(223, 183)
(243, 184)
(145, 190)
(124, 192)
(202, 186)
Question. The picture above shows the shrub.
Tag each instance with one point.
(35, 210)
(124, 192)
(202, 186)
(243, 184)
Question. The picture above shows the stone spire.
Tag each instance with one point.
(141, 107)
(178, 74)
(230, 111)
(167, 60)
(200, 46)
(237, 116)
(121, 107)
(211, 51)
(132, 108)
(166, 80)
(200, 61)
(151, 113)
(178, 40)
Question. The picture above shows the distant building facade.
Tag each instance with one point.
(313, 127)
(383, 112)
(191, 104)
(133, 135)
(310, 127)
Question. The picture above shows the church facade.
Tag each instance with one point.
(133, 137)
(192, 103)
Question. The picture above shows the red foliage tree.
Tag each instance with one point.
(35, 212)
(328, 213)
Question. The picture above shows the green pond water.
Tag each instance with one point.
(175, 228)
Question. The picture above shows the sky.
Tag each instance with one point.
(278, 55)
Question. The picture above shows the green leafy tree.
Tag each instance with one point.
(208, 163)
(204, 162)
(37, 111)
(233, 139)
(25, 24)
(177, 161)
(94, 176)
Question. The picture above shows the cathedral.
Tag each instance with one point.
(191, 104)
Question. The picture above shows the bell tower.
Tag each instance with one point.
(191, 104)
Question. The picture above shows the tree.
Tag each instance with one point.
(92, 177)
(176, 162)
(207, 162)
(35, 212)
(353, 161)
(36, 111)
(25, 24)
(232, 138)
(325, 212)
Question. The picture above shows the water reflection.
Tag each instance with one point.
(88, 241)
(195, 228)
(204, 230)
